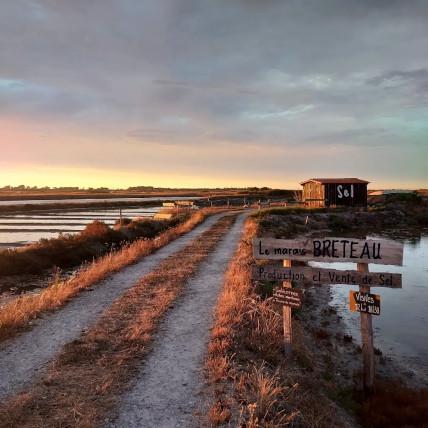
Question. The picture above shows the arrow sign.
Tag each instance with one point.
(364, 302)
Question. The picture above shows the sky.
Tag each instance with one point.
(213, 93)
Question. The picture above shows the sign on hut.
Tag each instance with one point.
(327, 192)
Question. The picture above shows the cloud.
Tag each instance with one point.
(282, 114)
(270, 75)
(354, 136)
(394, 78)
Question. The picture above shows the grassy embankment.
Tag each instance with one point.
(71, 250)
(252, 384)
(16, 314)
(81, 387)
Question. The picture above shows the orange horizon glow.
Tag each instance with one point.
(32, 156)
(31, 175)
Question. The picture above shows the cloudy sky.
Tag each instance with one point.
(213, 92)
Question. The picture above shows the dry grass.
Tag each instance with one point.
(250, 381)
(81, 387)
(16, 315)
(265, 394)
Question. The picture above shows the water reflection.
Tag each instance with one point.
(89, 200)
(401, 331)
(21, 229)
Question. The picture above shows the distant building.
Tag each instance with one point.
(329, 192)
(390, 192)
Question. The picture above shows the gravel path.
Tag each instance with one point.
(26, 356)
(167, 392)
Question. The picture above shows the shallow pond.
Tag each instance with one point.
(401, 331)
(21, 229)
(89, 200)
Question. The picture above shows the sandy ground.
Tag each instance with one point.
(168, 391)
(25, 357)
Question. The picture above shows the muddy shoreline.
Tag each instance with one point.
(334, 339)
(340, 351)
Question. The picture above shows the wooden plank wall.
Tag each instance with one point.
(313, 194)
(359, 199)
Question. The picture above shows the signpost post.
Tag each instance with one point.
(286, 317)
(358, 251)
(367, 339)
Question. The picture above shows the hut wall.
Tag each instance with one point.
(354, 194)
(313, 194)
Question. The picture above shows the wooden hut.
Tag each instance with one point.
(327, 192)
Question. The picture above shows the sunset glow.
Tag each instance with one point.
(160, 94)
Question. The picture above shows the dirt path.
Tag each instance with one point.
(26, 356)
(166, 394)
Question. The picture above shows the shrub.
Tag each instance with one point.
(96, 229)
(70, 250)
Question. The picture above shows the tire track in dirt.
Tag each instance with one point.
(166, 394)
(25, 357)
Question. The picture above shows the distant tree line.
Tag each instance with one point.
(33, 188)
(23, 187)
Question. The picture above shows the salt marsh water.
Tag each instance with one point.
(401, 330)
(89, 200)
(21, 229)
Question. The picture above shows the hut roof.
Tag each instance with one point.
(336, 180)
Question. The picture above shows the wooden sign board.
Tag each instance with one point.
(380, 251)
(288, 297)
(364, 302)
(325, 276)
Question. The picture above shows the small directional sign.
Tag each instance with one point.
(364, 302)
(288, 296)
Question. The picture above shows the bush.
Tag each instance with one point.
(338, 223)
(123, 222)
(96, 229)
(71, 250)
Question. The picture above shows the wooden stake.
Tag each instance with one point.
(367, 340)
(286, 315)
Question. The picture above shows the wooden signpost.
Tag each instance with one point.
(286, 317)
(362, 252)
